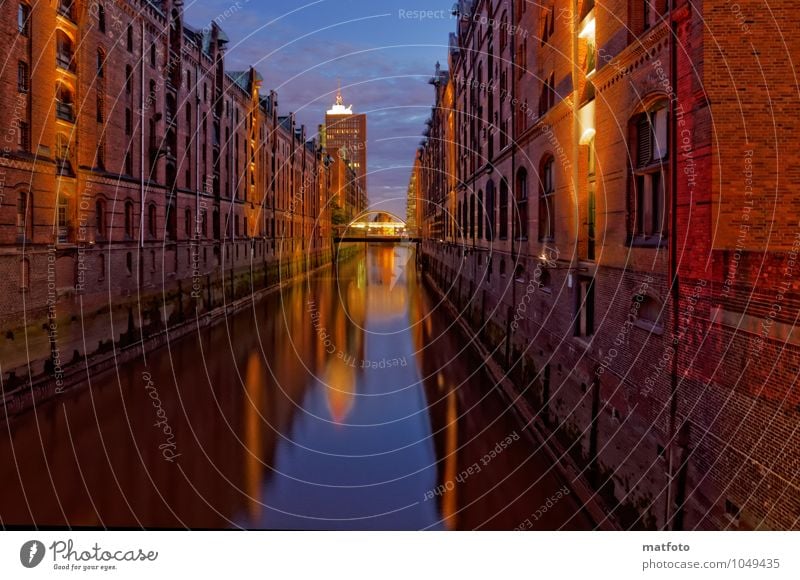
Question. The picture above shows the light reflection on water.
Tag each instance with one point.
(338, 403)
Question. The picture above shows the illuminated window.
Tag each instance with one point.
(65, 51)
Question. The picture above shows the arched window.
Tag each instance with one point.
(129, 219)
(648, 136)
(66, 8)
(547, 211)
(490, 224)
(472, 215)
(65, 51)
(152, 220)
(64, 102)
(521, 195)
(503, 227)
(172, 222)
(481, 215)
(24, 217)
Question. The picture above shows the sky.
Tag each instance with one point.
(382, 51)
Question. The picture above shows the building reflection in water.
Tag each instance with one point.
(347, 420)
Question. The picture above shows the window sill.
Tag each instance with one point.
(648, 326)
(657, 241)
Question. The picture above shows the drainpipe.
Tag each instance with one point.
(140, 259)
(673, 260)
(511, 190)
(576, 136)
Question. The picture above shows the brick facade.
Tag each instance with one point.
(141, 180)
(596, 157)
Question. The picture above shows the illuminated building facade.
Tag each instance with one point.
(346, 142)
(139, 175)
(590, 175)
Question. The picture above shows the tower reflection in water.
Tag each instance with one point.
(340, 402)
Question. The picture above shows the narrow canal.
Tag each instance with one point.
(349, 400)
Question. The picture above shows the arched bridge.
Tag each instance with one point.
(376, 226)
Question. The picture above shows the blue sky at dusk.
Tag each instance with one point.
(383, 58)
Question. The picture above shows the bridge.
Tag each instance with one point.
(376, 226)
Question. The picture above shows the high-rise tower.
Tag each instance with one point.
(346, 141)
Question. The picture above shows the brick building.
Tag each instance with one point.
(610, 202)
(141, 179)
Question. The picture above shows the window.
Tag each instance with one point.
(548, 24)
(101, 154)
(101, 104)
(128, 79)
(503, 227)
(547, 210)
(129, 263)
(100, 218)
(151, 220)
(649, 148)
(548, 96)
(23, 77)
(129, 41)
(23, 19)
(648, 312)
(66, 9)
(472, 215)
(490, 225)
(24, 225)
(584, 319)
(504, 32)
(128, 121)
(101, 60)
(153, 54)
(521, 224)
(63, 154)
(64, 108)
(101, 267)
(101, 18)
(61, 220)
(24, 136)
(481, 215)
(64, 51)
(129, 221)
(128, 163)
(187, 222)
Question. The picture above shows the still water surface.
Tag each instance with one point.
(346, 401)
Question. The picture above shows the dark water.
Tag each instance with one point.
(348, 401)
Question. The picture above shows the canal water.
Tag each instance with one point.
(349, 400)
